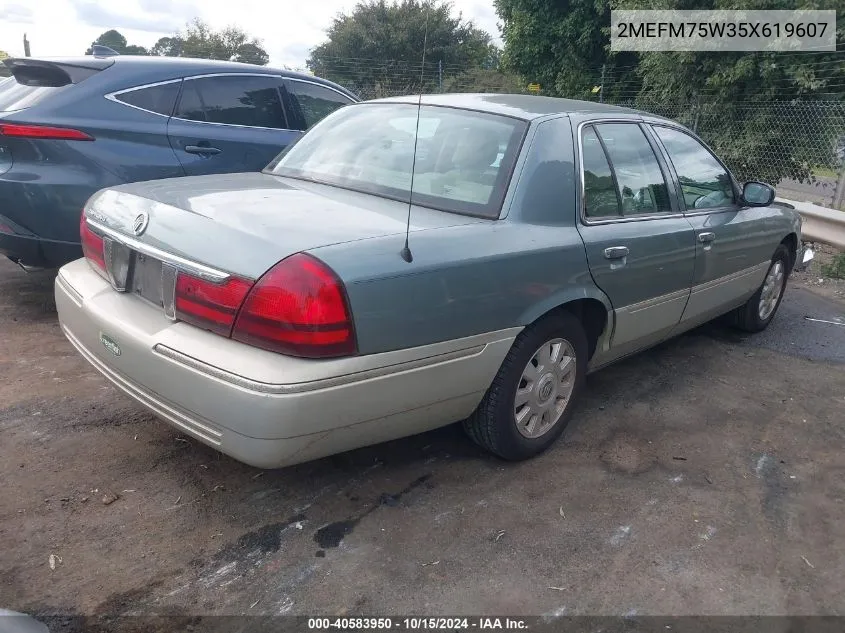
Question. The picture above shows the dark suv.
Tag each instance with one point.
(69, 127)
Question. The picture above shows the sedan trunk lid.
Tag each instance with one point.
(245, 223)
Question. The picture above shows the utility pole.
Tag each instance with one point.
(839, 192)
(440, 74)
(601, 86)
(697, 110)
(26, 52)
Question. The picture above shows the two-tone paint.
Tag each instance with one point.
(431, 333)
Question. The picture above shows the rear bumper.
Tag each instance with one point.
(34, 251)
(266, 409)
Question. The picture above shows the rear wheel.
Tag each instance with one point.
(760, 309)
(530, 401)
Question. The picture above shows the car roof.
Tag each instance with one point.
(189, 63)
(516, 105)
(171, 65)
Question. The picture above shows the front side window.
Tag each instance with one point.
(245, 100)
(639, 180)
(159, 99)
(463, 165)
(315, 102)
(704, 182)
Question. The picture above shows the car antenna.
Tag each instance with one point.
(406, 250)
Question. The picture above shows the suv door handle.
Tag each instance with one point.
(706, 238)
(200, 149)
(616, 252)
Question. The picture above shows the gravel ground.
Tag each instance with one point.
(706, 476)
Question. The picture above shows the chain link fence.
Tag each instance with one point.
(799, 145)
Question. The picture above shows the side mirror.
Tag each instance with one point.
(757, 194)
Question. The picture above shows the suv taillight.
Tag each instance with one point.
(43, 132)
(92, 244)
(299, 308)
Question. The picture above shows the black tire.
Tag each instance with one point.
(747, 316)
(492, 426)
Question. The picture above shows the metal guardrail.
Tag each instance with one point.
(820, 224)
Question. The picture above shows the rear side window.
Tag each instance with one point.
(159, 99)
(639, 180)
(245, 100)
(15, 96)
(315, 102)
(600, 197)
(190, 104)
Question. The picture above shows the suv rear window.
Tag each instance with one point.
(15, 96)
(159, 99)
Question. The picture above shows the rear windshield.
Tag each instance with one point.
(463, 165)
(15, 96)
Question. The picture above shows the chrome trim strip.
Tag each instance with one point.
(200, 270)
(233, 74)
(656, 301)
(678, 294)
(112, 96)
(713, 210)
(321, 85)
(633, 218)
(235, 125)
(315, 385)
(713, 283)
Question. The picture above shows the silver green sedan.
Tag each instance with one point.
(407, 265)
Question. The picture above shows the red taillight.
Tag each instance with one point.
(92, 244)
(43, 131)
(211, 306)
(299, 308)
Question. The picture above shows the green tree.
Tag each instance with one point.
(200, 40)
(379, 46)
(767, 114)
(760, 111)
(167, 47)
(117, 42)
(484, 80)
(560, 44)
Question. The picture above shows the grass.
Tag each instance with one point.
(836, 267)
(824, 172)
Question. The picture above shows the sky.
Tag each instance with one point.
(288, 28)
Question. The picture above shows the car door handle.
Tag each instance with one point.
(616, 252)
(200, 149)
(706, 238)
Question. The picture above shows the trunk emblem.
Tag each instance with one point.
(109, 344)
(140, 223)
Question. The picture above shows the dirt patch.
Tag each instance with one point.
(814, 278)
(706, 476)
(627, 453)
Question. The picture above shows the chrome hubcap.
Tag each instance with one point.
(545, 388)
(772, 289)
